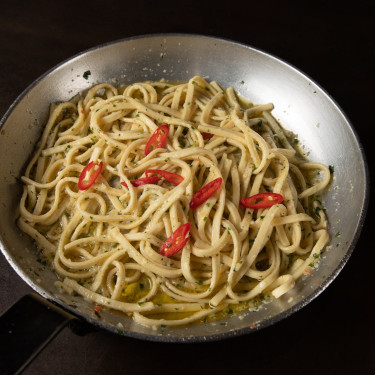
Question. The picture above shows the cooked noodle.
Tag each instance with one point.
(104, 241)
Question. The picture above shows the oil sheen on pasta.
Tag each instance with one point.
(103, 242)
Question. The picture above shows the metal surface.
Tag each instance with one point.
(300, 105)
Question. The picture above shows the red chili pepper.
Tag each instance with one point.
(94, 173)
(158, 139)
(205, 192)
(176, 241)
(206, 135)
(169, 176)
(262, 200)
(142, 181)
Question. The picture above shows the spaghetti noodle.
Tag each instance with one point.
(171, 202)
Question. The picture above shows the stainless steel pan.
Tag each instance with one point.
(300, 105)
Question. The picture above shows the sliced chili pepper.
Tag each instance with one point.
(142, 181)
(169, 176)
(262, 200)
(206, 135)
(94, 173)
(176, 241)
(205, 192)
(158, 139)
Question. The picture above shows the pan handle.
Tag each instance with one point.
(27, 327)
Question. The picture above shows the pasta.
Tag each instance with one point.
(142, 199)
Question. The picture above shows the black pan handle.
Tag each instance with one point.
(27, 327)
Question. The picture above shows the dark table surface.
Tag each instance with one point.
(332, 42)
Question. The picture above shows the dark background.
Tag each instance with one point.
(333, 43)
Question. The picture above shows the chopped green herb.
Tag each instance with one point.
(86, 74)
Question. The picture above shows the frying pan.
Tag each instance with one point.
(301, 105)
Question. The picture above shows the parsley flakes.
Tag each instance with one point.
(86, 74)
